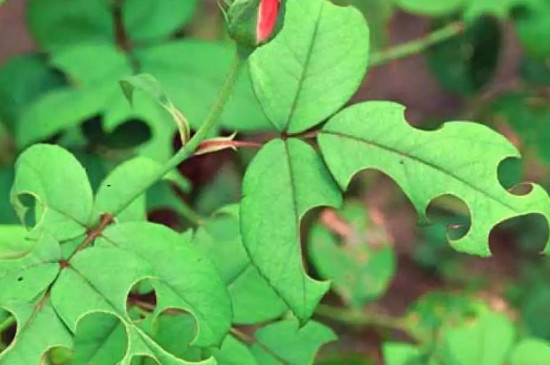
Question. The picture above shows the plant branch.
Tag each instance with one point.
(417, 46)
(188, 149)
(246, 338)
(361, 319)
(92, 235)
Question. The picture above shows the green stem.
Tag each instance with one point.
(361, 319)
(416, 46)
(205, 128)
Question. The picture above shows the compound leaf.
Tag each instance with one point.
(460, 159)
(292, 171)
(131, 252)
(60, 187)
(253, 300)
(313, 66)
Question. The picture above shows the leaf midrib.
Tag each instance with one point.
(426, 163)
(307, 61)
(296, 216)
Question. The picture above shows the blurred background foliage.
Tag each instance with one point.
(60, 62)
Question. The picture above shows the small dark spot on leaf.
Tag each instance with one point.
(108, 185)
(401, 162)
(20, 278)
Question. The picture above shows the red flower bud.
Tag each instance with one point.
(267, 19)
(253, 22)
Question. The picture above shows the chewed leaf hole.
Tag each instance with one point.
(9, 328)
(521, 189)
(58, 355)
(131, 133)
(528, 233)
(30, 203)
(141, 300)
(453, 212)
(510, 172)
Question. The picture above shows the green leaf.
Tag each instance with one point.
(313, 66)
(483, 341)
(94, 89)
(59, 185)
(378, 14)
(7, 213)
(453, 160)
(532, 28)
(436, 311)
(292, 171)
(535, 72)
(23, 79)
(13, 242)
(192, 73)
(233, 352)
(530, 352)
(151, 87)
(496, 8)
(470, 9)
(100, 339)
(345, 359)
(224, 190)
(166, 195)
(58, 23)
(131, 252)
(430, 7)
(402, 354)
(24, 283)
(284, 343)
(125, 184)
(361, 262)
(150, 19)
(468, 61)
(174, 333)
(528, 116)
(253, 300)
